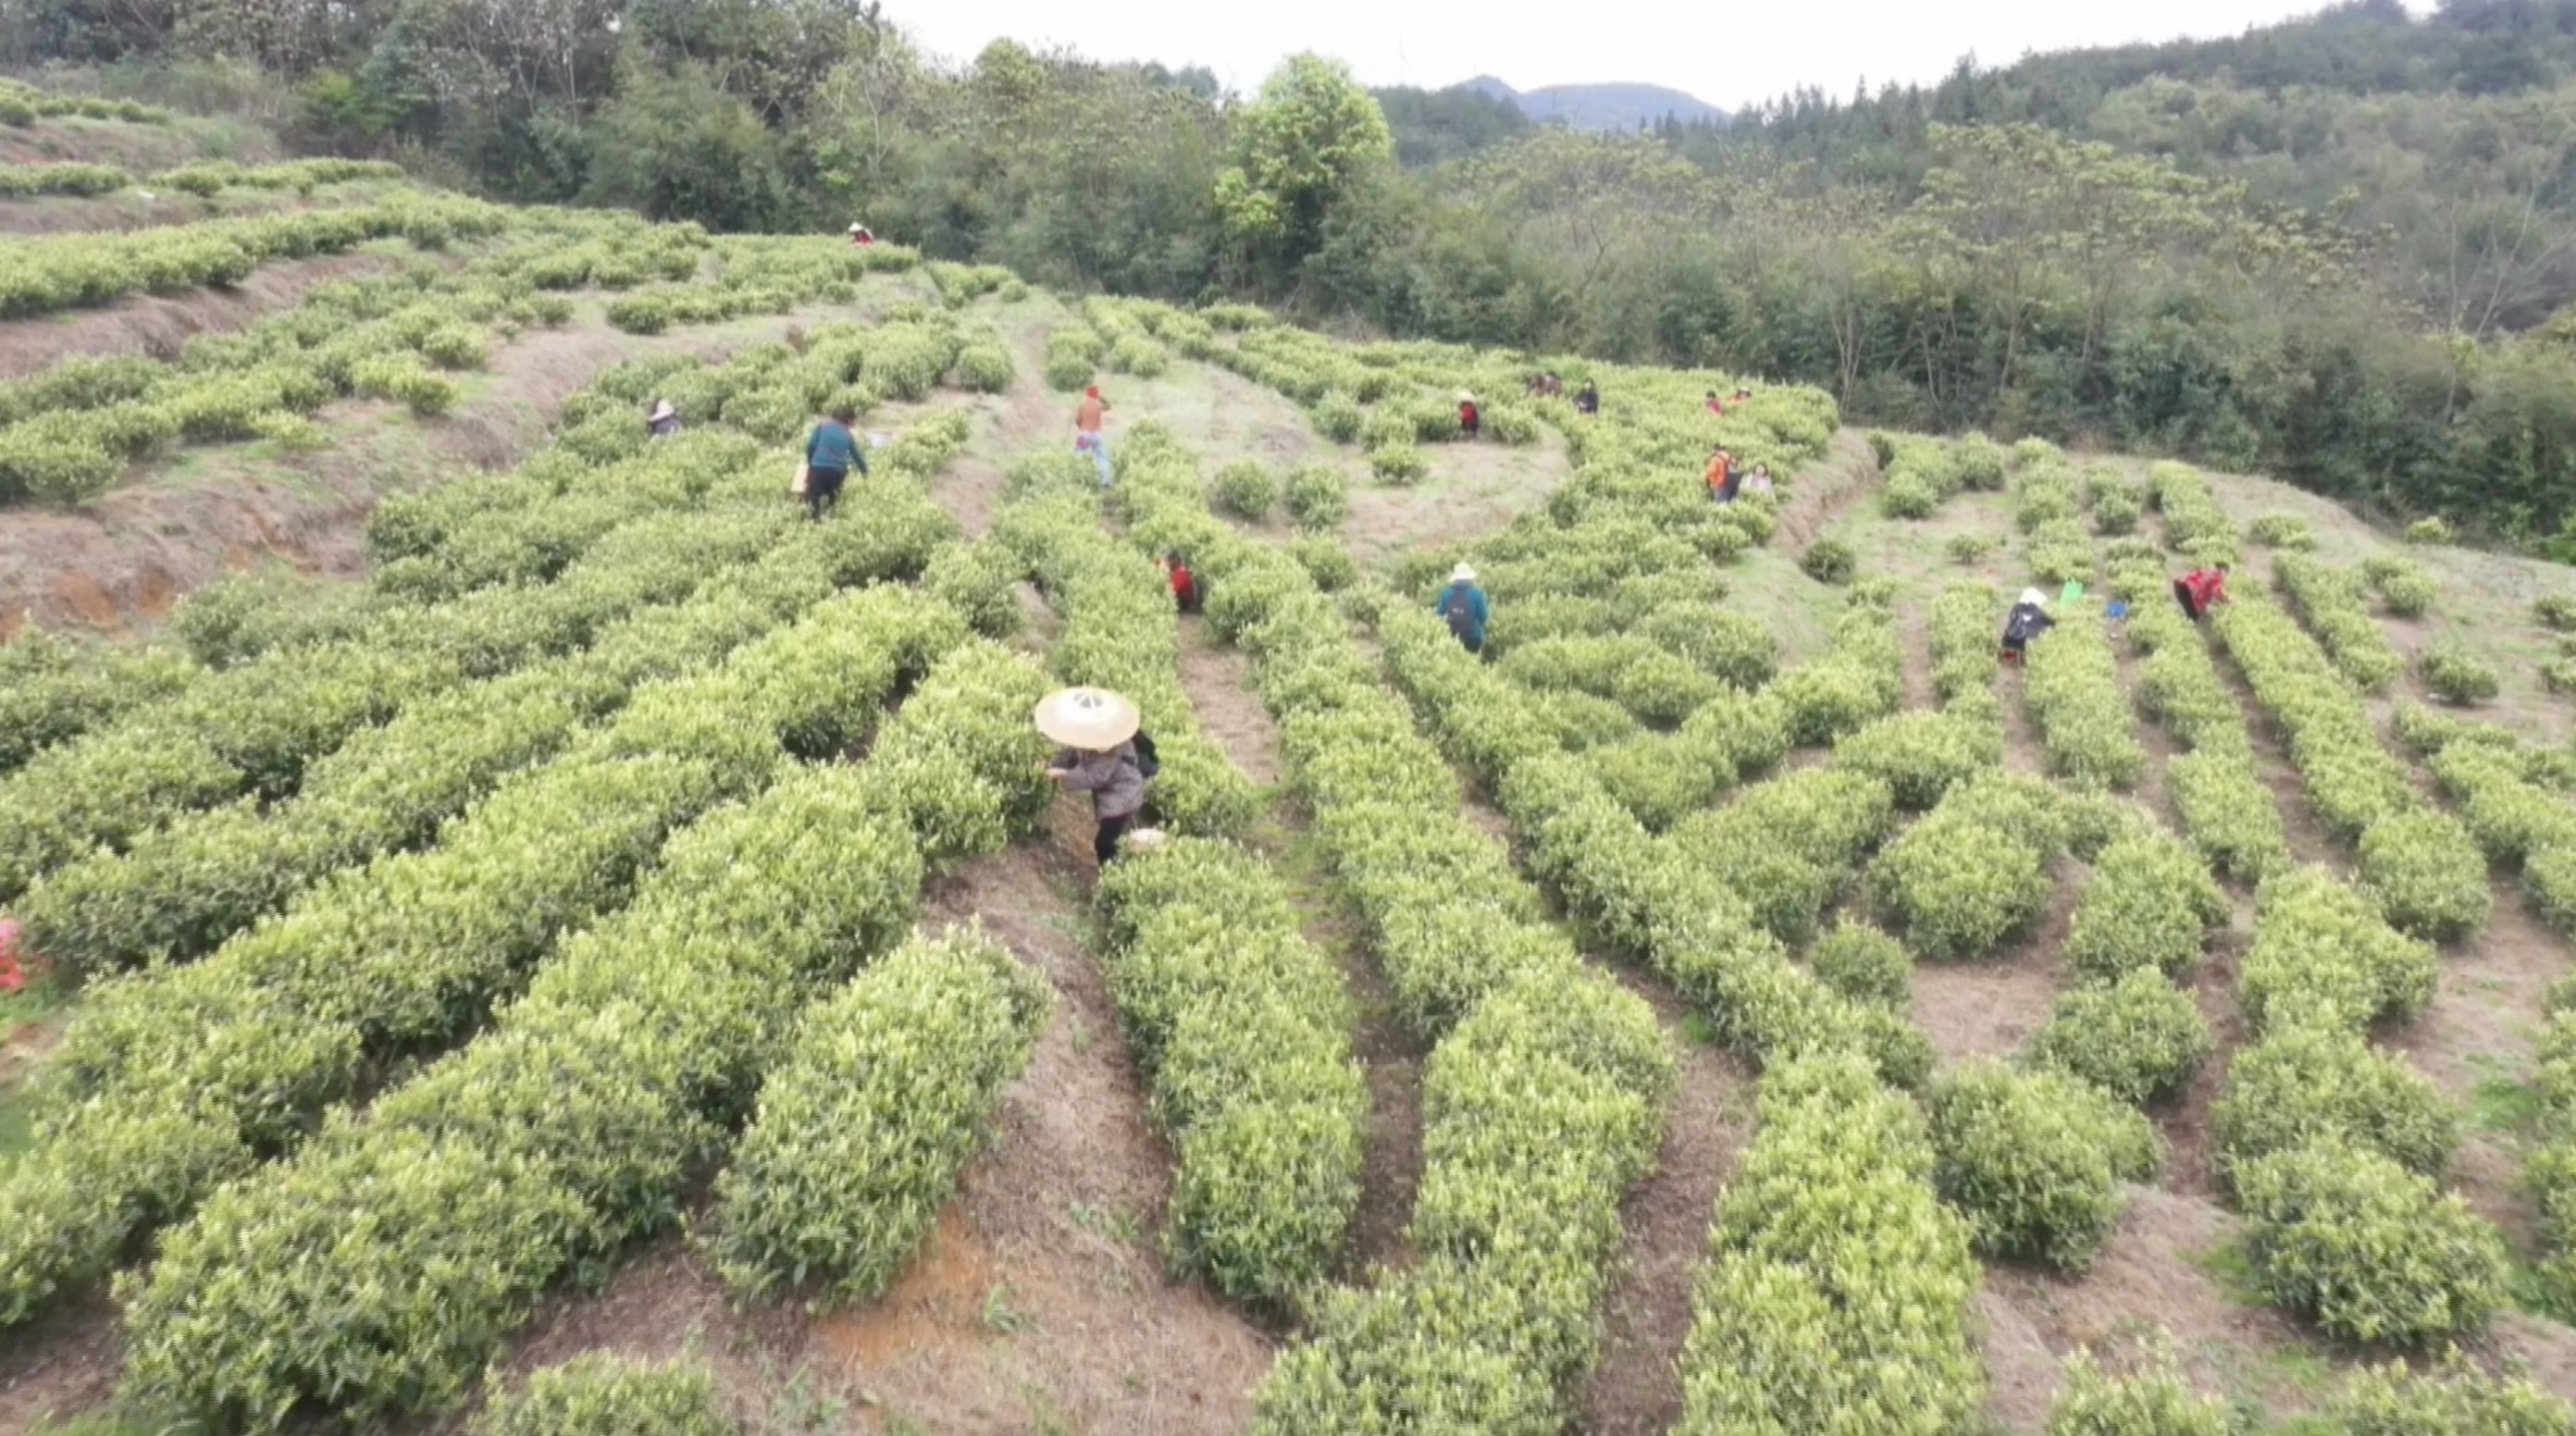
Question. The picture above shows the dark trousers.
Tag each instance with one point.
(823, 490)
(2182, 595)
(1104, 844)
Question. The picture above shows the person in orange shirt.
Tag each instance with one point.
(1087, 438)
(1721, 476)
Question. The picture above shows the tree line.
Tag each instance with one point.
(2342, 250)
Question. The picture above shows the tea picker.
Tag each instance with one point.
(1103, 750)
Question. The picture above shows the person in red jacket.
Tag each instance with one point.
(1468, 418)
(1185, 584)
(2200, 588)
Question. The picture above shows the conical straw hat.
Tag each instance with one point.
(1091, 720)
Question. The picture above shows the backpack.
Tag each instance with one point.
(1147, 761)
(1462, 617)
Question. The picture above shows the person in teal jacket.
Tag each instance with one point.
(1462, 604)
(831, 451)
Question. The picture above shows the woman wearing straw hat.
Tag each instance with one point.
(1097, 729)
(1468, 419)
(1463, 605)
(663, 421)
(2028, 620)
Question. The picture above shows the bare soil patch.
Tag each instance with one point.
(1990, 1008)
(2154, 1273)
(1218, 681)
(62, 1364)
(1636, 1386)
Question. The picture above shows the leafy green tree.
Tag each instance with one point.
(1298, 150)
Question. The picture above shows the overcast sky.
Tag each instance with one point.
(1727, 53)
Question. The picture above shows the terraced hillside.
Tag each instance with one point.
(521, 927)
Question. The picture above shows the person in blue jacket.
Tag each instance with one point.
(831, 451)
(1463, 606)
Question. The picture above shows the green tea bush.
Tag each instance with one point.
(2151, 1402)
(2352, 780)
(24, 181)
(1921, 755)
(2305, 1086)
(1830, 560)
(984, 364)
(2059, 552)
(2556, 611)
(1838, 1286)
(1399, 463)
(1863, 964)
(1978, 462)
(2324, 956)
(603, 1394)
(1972, 548)
(1242, 1027)
(2451, 1400)
(1318, 496)
(2117, 502)
(1338, 417)
(1727, 644)
(1325, 560)
(1073, 354)
(2150, 906)
(2329, 600)
(2427, 875)
(2282, 531)
(2428, 530)
(2372, 1251)
(2402, 585)
(1512, 425)
(2455, 675)
(885, 1090)
(1974, 873)
(2139, 1039)
(2035, 1160)
(1967, 626)
(2195, 524)
(2073, 690)
(1247, 488)
(567, 1128)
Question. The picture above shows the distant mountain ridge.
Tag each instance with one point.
(1599, 107)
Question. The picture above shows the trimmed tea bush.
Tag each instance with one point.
(2140, 1039)
(1830, 560)
(2035, 1160)
(1246, 488)
(2369, 1249)
(2150, 906)
(2152, 1402)
(2427, 875)
(1318, 496)
(603, 1394)
(1863, 964)
(2455, 675)
(862, 1129)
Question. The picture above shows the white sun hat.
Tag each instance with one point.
(2034, 597)
(1462, 574)
(1088, 720)
(662, 409)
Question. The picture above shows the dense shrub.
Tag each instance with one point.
(2325, 957)
(2455, 675)
(603, 1394)
(1863, 964)
(862, 1129)
(1974, 873)
(2372, 1251)
(2302, 1087)
(2035, 1160)
(1247, 488)
(1830, 560)
(2427, 875)
(2151, 905)
(2139, 1039)
(2152, 1402)
(1318, 496)
(2448, 1401)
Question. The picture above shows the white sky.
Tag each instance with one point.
(1728, 54)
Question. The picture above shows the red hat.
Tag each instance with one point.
(1093, 391)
